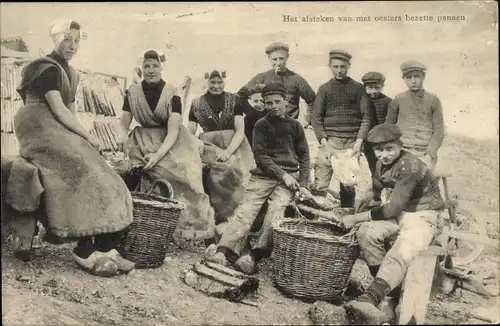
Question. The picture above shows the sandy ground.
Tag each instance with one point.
(51, 290)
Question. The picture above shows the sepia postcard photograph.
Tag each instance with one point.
(250, 163)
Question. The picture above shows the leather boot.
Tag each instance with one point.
(374, 270)
(364, 309)
(395, 293)
(347, 196)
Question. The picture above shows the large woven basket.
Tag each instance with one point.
(155, 220)
(312, 259)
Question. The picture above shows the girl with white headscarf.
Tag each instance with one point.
(83, 195)
(163, 147)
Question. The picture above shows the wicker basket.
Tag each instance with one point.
(155, 219)
(312, 259)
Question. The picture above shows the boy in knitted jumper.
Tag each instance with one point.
(410, 214)
(374, 84)
(282, 157)
(419, 115)
(341, 120)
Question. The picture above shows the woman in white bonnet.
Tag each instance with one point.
(83, 199)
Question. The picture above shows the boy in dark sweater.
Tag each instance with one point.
(256, 112)
(282, 157)
(419, 115)
(410, 213)
(374, 83)
(341, 120)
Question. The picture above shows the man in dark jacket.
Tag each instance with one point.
(296, 86)
(410, 213)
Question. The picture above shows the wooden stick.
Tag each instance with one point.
(477, 238)
(217, 276)
(468, 282)
(451, 211)
(225, 270)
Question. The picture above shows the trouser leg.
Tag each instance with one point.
(323, 169)
(417, 230)
(236, 232)
(371, 238)
(279, 199)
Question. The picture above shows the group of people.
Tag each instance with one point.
(253, 144)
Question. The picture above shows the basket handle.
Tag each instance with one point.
(165, 183)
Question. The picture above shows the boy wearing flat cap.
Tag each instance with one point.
(257, 112)
(419, 115)
(297, 87)
(374, 84)
(341, 120)
(410, 213)
(282, 157)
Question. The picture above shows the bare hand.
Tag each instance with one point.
(356, 150)
(122, 141)
(349, 221)
(223, 157)
(362, 203)
(290, 182)
(94, 142)
(152, 159)
(305, 193)
(323, 142)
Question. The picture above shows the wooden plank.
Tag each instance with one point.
(417, 290)
(476, 238)
(451, 210)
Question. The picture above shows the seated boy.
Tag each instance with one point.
(411, 216)
(419, 115)
(282, 157)
(374, 84)
(257, 112)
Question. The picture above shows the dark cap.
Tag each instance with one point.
(152, 54)
(373, 77)
(256, 89)
(384, 133)
(274, 88)
(277, 46)
(412, 65)
(340, 54)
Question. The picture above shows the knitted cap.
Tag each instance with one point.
(384, 133)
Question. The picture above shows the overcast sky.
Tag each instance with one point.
(462, 56)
